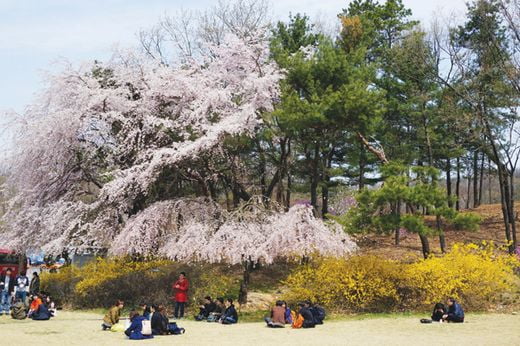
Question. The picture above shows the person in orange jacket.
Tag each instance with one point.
(181, 294)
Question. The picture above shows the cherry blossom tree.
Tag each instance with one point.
(113, 156)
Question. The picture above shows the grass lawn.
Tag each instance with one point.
(83, 328)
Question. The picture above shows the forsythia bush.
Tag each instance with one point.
(101, 282)
(475, 275)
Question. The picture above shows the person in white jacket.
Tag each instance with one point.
(21, 287)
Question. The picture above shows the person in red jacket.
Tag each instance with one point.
(181, 294)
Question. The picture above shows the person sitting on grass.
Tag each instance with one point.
(112, 316)
(318, 313)
(277, 319)
(220, 307)
(208, 307)
(145, 310)
(455, 313)
(35, 303)
(288, 313)
(135, 331)
(230, 316)
(306, 313)
(438, 311)
(42, 313)
(161, 325)
(18, 310)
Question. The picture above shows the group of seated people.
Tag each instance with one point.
(41, 308)
(453, 313)
(150, 320)
(308, 315)
(218, 311)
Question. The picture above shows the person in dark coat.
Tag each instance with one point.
(208, 307)
(7, 285)
(220, 307)
(135, 331)
(230, 316)
(34, 286)
(318, 313)
(161, 325)
(42, 314)
(438, 311)
(455, 312)
(308, 318)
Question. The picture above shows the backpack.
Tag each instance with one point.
(147, 327)
(298, 321)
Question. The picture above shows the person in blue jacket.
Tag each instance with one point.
(455, 312)
(230, 316)
(134, 332)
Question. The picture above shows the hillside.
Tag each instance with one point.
(491, 229)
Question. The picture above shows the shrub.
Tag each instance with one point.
(474, 274)
(101, 282)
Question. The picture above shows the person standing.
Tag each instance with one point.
(21, 287)
(34, 287)
(7, 284)
(181, 287)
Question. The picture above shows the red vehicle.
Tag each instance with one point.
(10, 259)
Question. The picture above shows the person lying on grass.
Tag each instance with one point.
(230, 316)
(112, 316)
(136, 330)
(277, 318)
(455, 313)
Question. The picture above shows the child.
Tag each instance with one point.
(277, 319)
(230, 316)
(112, 316)
(135, 331)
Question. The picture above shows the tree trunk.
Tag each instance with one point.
(326, 182)
(362, 164)
(489, 181)
(448, 182)
(442, 237)
(242, 294)
(481, 180)
(397, 212)
(469, 191)
(475, 179)
(289, 180)
(425, 245)
(457, 186)
(314, 178)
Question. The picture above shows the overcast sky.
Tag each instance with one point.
(36, 33)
